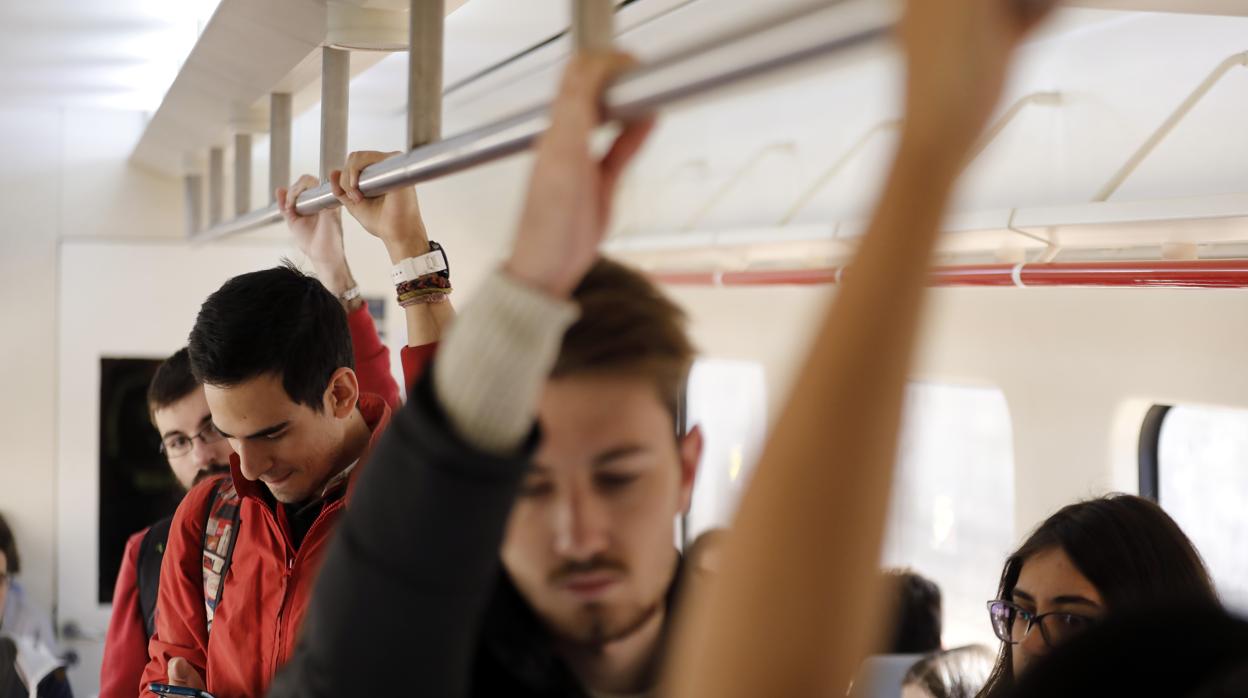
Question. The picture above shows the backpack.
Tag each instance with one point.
(220, 535)
(151, 552)
(221, 519)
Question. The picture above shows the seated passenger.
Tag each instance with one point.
(24, 618)
(957, 673)
(1088, 559)
(273, 351)
(1177, 650)
(918, 617)
(24, 661)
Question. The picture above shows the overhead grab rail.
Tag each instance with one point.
(797, 38)
(1137, 158)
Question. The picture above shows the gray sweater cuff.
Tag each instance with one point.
(497, 356)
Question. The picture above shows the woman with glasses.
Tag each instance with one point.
(1087, 560)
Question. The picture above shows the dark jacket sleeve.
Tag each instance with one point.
(409, 574)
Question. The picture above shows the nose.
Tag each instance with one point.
(203, 455)
(581, 525)
(1033, 645)
(251, 460)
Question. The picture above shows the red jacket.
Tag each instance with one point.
(267, 587)
(125, 647)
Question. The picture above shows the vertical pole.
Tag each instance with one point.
(279, 142)
(593, 24)
(424, 73)
(194, 203)
(216, 185)
(335, 84)
(242, 173)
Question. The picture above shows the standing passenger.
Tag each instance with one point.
(195, 450)
(513, 535)
(273, 350)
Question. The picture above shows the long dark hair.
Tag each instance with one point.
(1126, 546)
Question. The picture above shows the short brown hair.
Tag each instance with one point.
(171, 382)
(627, 326)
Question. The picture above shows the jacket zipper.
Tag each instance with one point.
(279, 654)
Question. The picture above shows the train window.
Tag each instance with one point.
(1203, 484)
(727, 400)
(952, 514)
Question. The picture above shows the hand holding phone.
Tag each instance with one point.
(164, 689)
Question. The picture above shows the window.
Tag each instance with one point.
(727, 400)
(1202, 481)
(952, 513)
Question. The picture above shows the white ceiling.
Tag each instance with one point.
(120, 54)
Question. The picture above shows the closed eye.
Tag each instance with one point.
(614, 481)
(536, 488)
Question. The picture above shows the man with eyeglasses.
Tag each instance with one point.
(196, 450)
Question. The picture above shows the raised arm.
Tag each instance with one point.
(319, 237)
(454, 456)
(395, 219)
(793, 609)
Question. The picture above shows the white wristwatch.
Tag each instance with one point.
(415, 267)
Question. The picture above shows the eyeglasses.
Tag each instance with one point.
(1012, 623)
(178, 445)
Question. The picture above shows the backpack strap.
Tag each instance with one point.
(151, 552)
(220, 534)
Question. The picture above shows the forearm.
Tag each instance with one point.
(813, 518)
(491, 369)
(428, 322)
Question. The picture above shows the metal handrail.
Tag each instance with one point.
(797, 38)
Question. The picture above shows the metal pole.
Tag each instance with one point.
(593, 24)
(242, 173)
(194, 203)
(279, 142)
(795, 39)
(424, 73)
(335, 94)
(216, 185)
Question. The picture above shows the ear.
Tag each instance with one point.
(342, 393)
(690, 447)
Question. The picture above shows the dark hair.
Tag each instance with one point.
(1126, 546)
(172, 381)
(276, 321)
(956, 673)
(917, 627)
(8, 544)
(627, 326)
(1193, 650)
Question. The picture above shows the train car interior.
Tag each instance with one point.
(1083, 332)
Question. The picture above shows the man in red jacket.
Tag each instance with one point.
(196, 450)
(273, 353)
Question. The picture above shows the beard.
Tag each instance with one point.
(596, 625)
(212, 470)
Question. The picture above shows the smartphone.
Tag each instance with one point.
(164, 689)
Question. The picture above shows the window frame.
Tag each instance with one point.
(1150, 452)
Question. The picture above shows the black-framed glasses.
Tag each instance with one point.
(178, 445)
(1012, 623)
